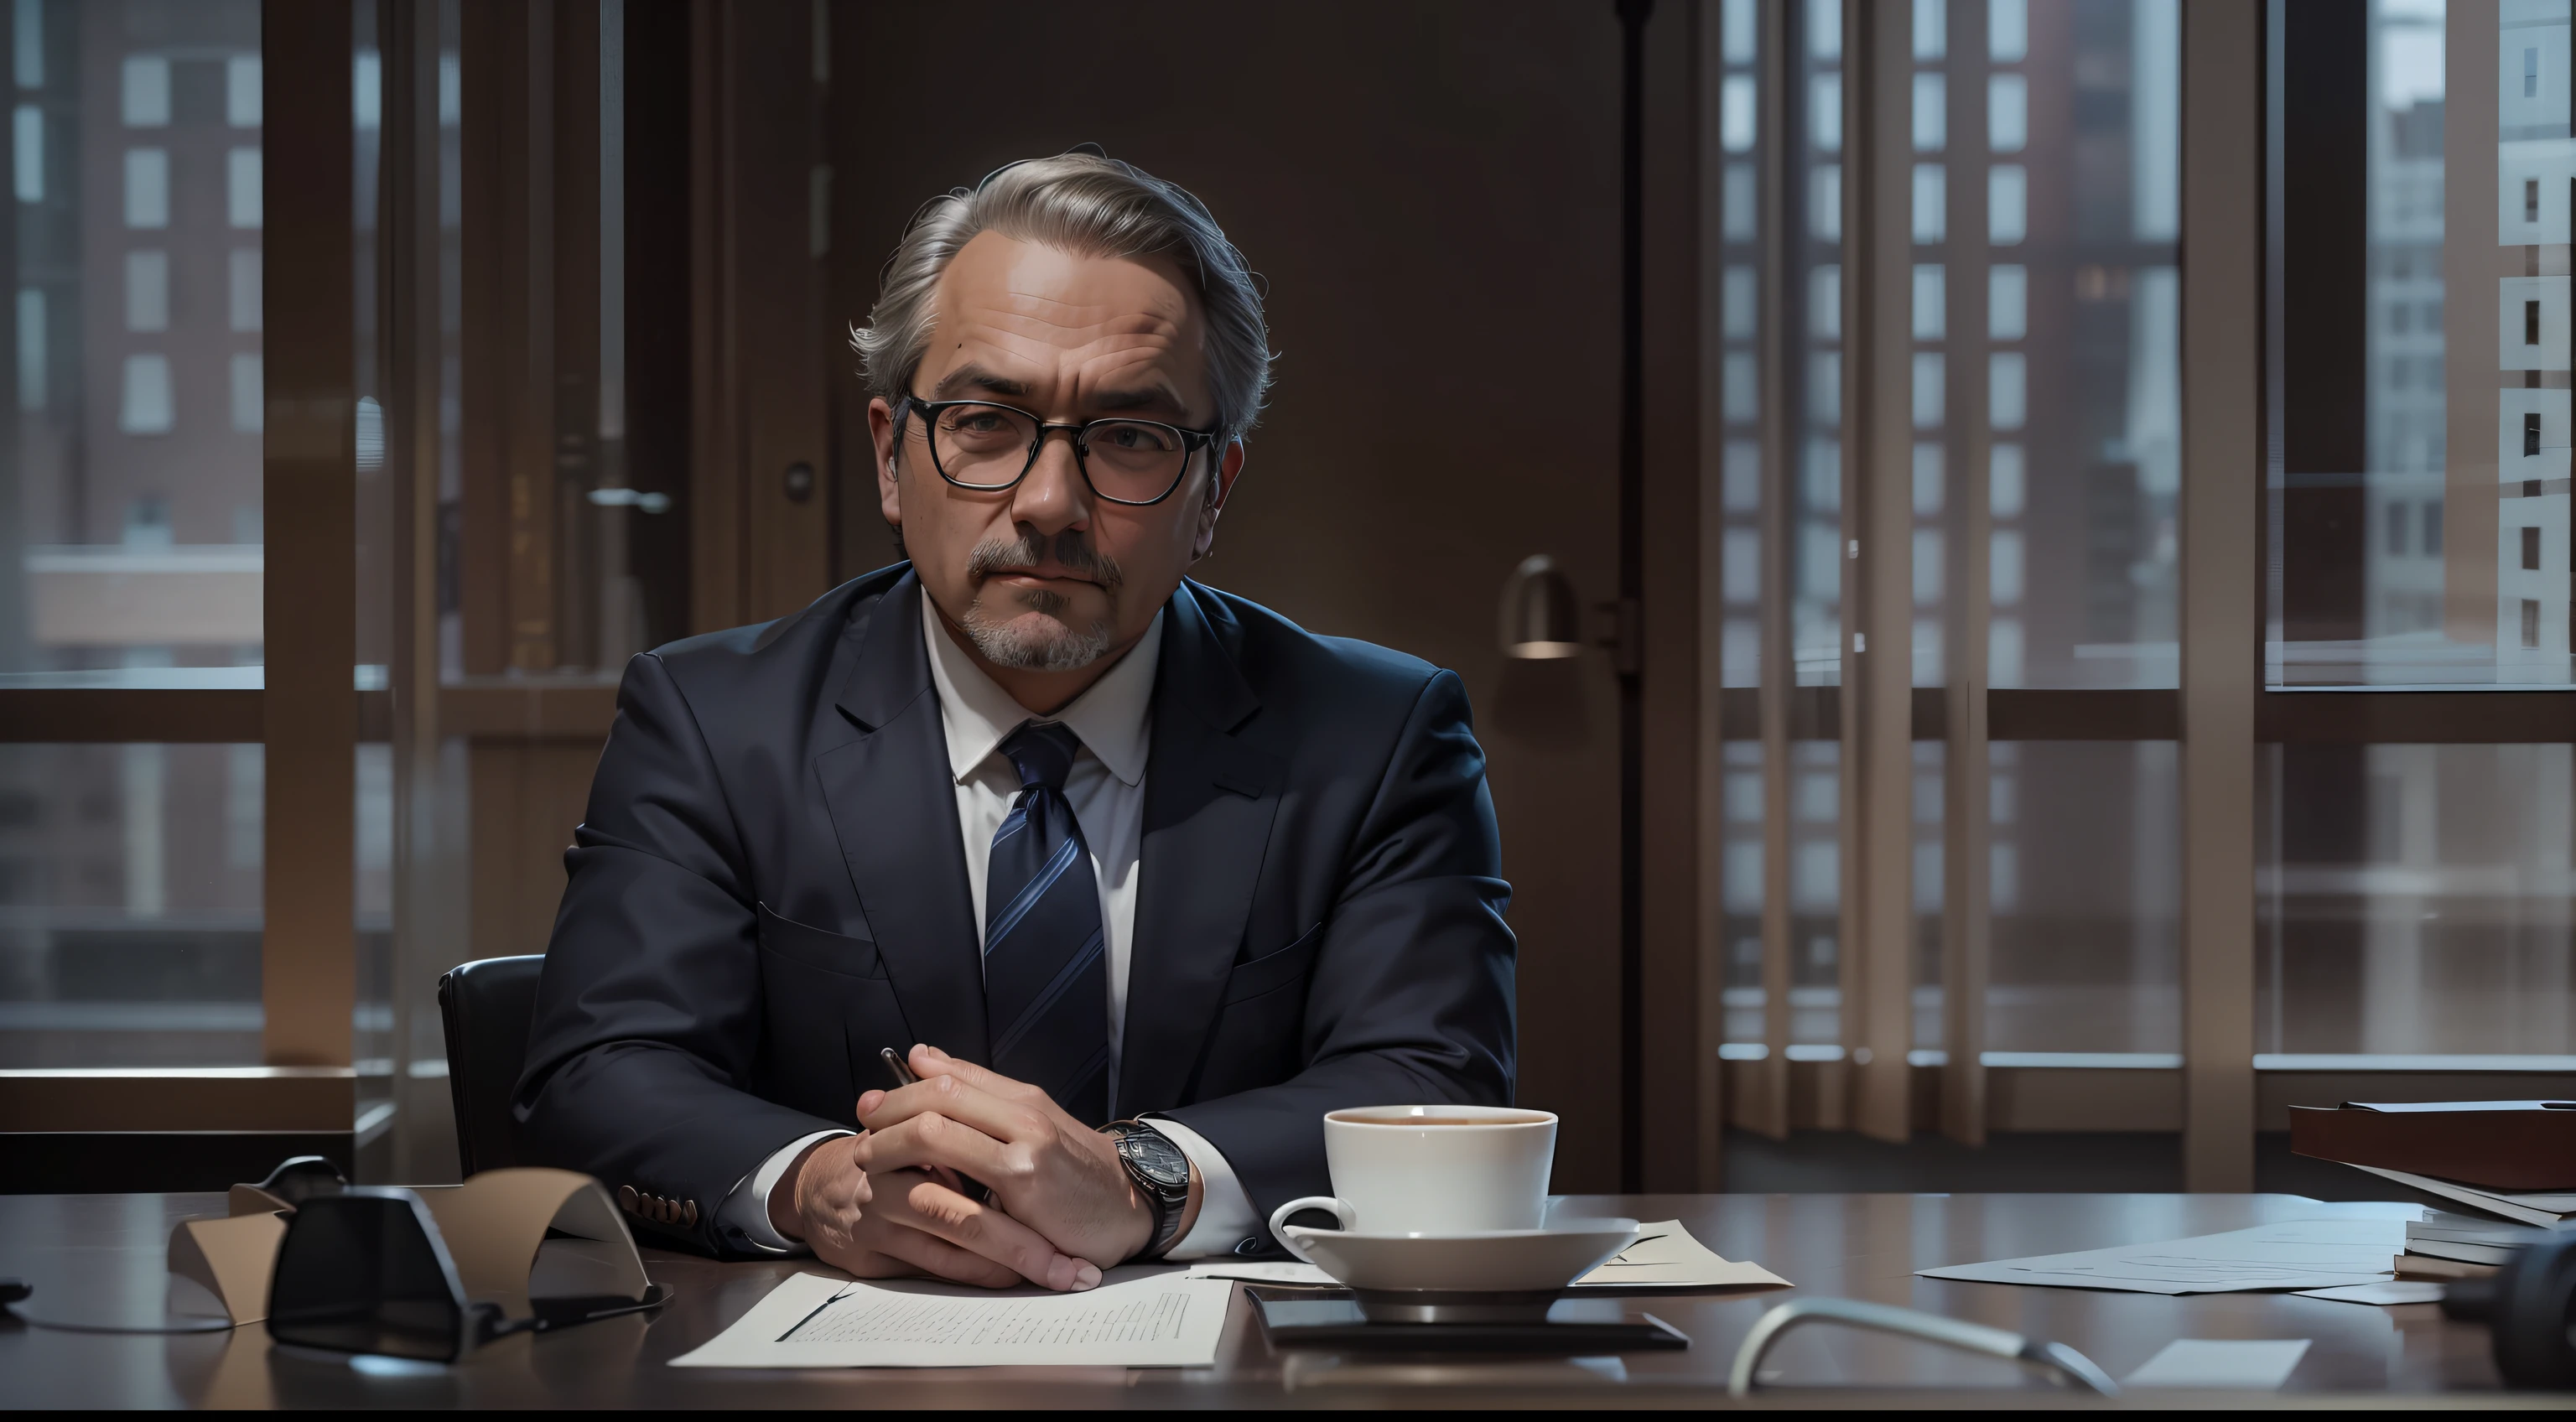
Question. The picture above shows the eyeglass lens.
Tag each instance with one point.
(990, 446)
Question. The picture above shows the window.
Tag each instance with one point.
(2405, 918)
(27, 152)
(146, 91)
(2467, 419)
(135, 901)
(241, 187)
(147, 291)
(248, 397)
(2039, 313)
(243, 288)
(241, 91)
(147, 187)
(145, 407)
(130, 873)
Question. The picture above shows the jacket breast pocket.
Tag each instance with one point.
(817, 948)
(1275, 970)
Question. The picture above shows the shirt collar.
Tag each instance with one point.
(1111, 717)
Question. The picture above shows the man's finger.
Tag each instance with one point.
(928, 1061)
(940, 1259)
(935, 1209)
(962, 1102)
(931, 1141)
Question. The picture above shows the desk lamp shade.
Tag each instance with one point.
(1541, 621)
(365, 1271)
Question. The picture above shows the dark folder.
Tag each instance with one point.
(2493, 1145)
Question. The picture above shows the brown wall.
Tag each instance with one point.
(1432, 193)
(527, 797)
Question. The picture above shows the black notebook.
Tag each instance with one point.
(1331, 1318)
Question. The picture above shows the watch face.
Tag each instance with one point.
(1160, 1160)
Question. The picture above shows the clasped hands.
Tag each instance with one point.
(889, 1202)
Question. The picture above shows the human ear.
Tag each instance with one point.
(881, 435)
(1229, 468)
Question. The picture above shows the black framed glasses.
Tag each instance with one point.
(978, 445)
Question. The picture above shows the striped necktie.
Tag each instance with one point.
(1046, 974)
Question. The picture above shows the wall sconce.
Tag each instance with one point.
(1542, 620)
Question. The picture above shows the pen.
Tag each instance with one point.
(967, 1185)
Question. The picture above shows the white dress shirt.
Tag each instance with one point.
(1113, 720)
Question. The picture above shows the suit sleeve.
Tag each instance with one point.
(648, 1011)
(1411, 995)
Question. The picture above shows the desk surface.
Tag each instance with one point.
(102, 1256)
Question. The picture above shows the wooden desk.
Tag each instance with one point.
(92, 1256)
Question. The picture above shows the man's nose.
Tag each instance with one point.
(1053, 496)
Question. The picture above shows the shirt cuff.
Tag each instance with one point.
(1226, 1217)
(744, 1216)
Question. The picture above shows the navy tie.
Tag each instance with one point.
(1046, 974)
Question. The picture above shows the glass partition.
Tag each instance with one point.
(2415, 903)
(130, 475)
(2418, 496)
(130, 905)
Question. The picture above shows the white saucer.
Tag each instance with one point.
(1488, 1262)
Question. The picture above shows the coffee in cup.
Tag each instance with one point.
(1433, 1170)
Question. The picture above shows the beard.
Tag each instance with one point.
(1031, 633)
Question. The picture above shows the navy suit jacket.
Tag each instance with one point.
(769, 885)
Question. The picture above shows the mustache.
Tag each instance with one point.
(1071, 548)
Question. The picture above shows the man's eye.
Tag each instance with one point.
(1137, 437)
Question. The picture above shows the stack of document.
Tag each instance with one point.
(2514, 1162)
(2550, 1210)
(2469, 1239)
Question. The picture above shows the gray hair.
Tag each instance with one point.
(1090, 206)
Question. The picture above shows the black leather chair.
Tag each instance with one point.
(486, 1006)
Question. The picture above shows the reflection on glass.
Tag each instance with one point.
(1739, 365)
(2061, 131)
(2425, 544)
(1816, 411)
(1815, 899)
(2086, 895)
(1740, 895)
(1926, 876)
(132, 461)
(2415, 901)
(130, 905)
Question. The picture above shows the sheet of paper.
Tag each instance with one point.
(2551, 1211)
(2298, 1254)
(2400, 1291)
(1665, 1256)
(2411, 1265)
(2245, 1365)
(2456, 1250)
(2476, 1229)
(1264, 1271)
(1137, 1318)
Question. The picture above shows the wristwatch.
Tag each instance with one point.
(1162, 1176)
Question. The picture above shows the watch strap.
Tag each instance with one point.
(1168, 1203)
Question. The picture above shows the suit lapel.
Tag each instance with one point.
(1209, 801)
(894, 810)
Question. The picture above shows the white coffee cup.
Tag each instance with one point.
(1432, 1170)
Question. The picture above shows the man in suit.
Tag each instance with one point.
(1141, 878)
